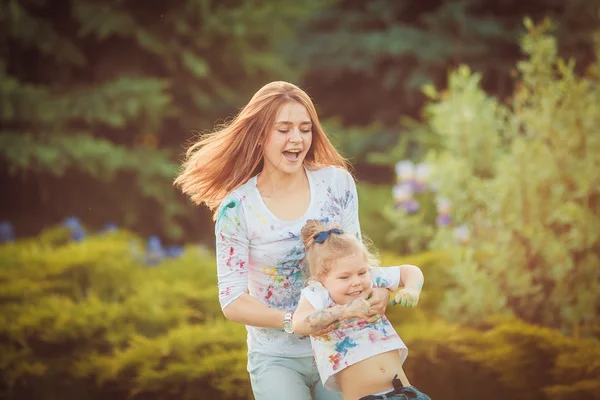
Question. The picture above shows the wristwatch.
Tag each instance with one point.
(287, 322)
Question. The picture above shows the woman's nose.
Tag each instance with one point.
(295, 135)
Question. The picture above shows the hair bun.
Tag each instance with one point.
(312, 228)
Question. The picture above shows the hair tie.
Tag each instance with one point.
(323, 235)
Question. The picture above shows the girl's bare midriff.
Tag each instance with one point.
(373, 375)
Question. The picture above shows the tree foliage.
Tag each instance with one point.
(525, 178)
(366, 60)
(108, 92)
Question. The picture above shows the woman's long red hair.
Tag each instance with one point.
(223, 160)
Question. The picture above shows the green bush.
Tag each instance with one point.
(499, 360)
(525, 179)
(373, 199)
(91, 319)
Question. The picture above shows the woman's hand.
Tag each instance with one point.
(379, 300)
(407, 297)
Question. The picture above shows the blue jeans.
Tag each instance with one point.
(290, 378)
(399, 393)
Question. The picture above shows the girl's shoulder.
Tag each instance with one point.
(316, 294)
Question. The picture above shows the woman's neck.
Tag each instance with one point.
(275, 183)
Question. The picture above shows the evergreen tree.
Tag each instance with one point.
(98, 99)
(367, 60)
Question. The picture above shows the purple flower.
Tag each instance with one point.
(462, 234)
(7, 232)
(421, 177)
(405, 171)
(402, 192)
(72, 223)
(109, 227)
(174, 251)
(411, 206)
(154, 251)
(443, 220)
(443, 205)
(77, 231)
(419, 187)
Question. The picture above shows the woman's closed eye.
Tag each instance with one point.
(301, 130)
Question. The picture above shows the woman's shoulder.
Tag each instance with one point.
(236, 200)
(332, 171)
(240, 194)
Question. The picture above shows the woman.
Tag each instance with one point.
(264, 175)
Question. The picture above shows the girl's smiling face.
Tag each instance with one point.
(348, 279)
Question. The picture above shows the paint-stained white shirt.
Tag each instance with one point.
(355, 339)
(260, 254)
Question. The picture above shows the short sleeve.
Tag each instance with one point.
(386, 277)
(232, 250)
(317, 295)
(349, 203)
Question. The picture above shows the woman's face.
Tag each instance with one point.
(289, 140)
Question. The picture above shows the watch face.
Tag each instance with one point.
(287, 326)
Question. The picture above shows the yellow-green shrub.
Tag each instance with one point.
(502, 359)
(91, 319)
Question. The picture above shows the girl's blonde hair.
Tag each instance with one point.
(321, 256)
(221, 161)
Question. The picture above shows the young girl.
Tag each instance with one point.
(363, 355)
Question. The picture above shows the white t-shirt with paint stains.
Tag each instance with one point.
(355, 339)
(260, 254)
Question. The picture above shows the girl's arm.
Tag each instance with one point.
(308, 321)
(408, 276)
(412, 279)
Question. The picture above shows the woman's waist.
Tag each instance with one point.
(277, 342)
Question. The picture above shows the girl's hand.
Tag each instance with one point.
(407, 297)
(357, 308)
(379, 299)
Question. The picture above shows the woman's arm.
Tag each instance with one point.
(309, 321)
(248, 310)
(232, 246)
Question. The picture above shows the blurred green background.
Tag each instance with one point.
(472, 127)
